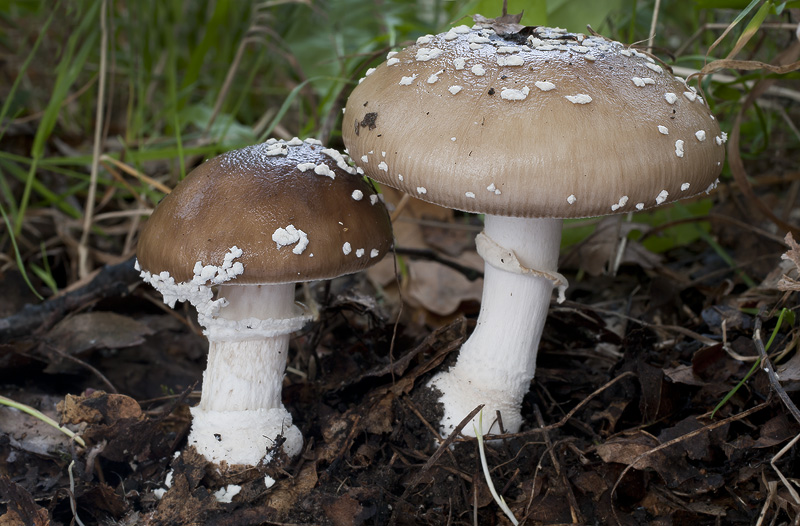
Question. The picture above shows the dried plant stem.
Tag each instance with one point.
(135, 173)
(83, 246)
(770, 370)
(653, 23)
(488, 476)
(72, 504)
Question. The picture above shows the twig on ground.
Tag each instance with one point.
(574, 509)
(414, 409)
(111, 282)
(85, 365)
(780, 453)
(566, 417)
(773, 376)
(444, 446)
(772, 488)
(778, 388)
(422, 253)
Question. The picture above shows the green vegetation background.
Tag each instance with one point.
(182, 80)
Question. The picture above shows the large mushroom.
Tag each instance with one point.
(527, 125)
(252, 223)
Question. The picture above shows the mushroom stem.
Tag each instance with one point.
(243, 373)
(240, 415)
(496, 364)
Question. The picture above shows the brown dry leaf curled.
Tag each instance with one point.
(502, 25)
(786, 282)
(22, 509)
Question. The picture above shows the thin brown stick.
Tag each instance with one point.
(135, 173)
(786, 483)
(414, 409)
(566, 417)
(399, 208)
(574, 509)
(444, 446)
(83, 246)
(770, 370)
(85, 365)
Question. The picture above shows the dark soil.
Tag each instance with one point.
(618, 418)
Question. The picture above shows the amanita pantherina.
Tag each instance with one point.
(252, 223)
(527, 125)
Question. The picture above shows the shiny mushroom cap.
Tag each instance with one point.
(296, 209)
(537, 122)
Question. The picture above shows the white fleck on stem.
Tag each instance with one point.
(496, 364)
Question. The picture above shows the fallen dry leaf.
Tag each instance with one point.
(345, 511)
(98, 407)
(181, 505)
(22, 509)
(31, 434)
(503, 25)
(625, 450)
(787, 282)
(789, 373)
(775, 431)
(441, 289)
(684, 374)
(118, 421)
(97, 330)
(283, 497)
(593, 253)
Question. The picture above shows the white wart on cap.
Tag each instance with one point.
(546, 124)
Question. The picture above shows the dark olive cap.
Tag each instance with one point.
(296, 209)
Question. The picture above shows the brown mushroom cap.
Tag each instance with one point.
(540, 123)
(243, 197)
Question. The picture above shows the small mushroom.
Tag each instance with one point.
(587, 141)
(252, 223)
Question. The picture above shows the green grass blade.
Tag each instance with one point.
(24, 67)
(286, 104)
(755, 366)
(718, 249)
(50, 197)
(43, 417)
(68, 69)
(17, 255)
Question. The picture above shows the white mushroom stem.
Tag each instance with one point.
(240, 415)
(496, 364)
(244, 373)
